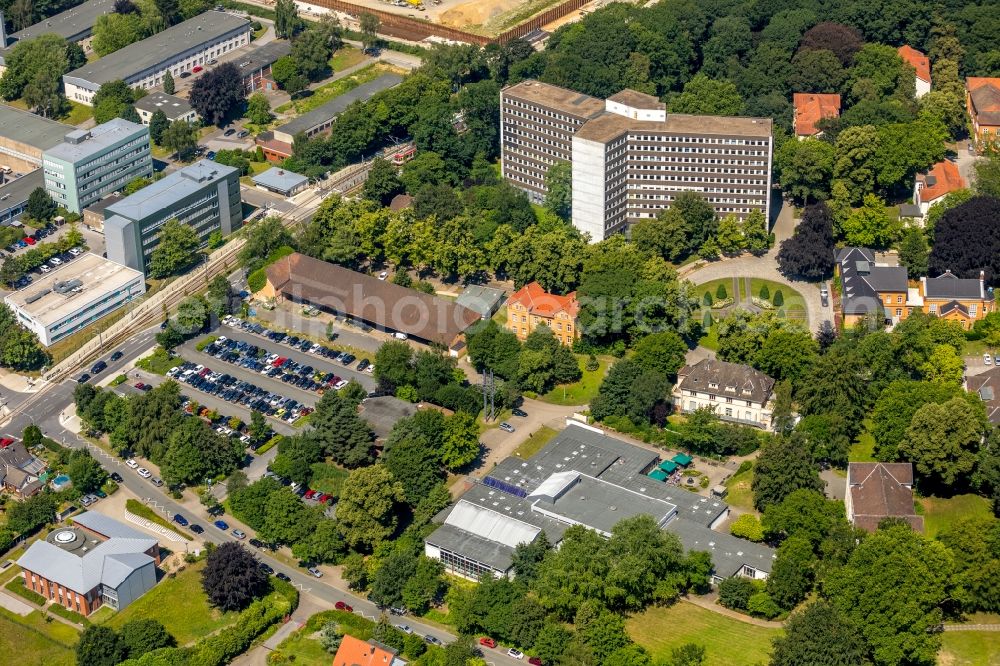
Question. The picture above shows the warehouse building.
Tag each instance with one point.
(90, 164)
(74, 296)
(204, 195)
(179, 48)
(25, 136)
(582, 477)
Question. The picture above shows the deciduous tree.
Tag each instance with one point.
(809, 252)
(818, 634)
(232, 577)
(367, 511)
(218, 92)
(784, 466)
(942, 441)
(176, 249)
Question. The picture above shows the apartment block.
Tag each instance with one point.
(629, 157)
(90, 164)
(204, 195)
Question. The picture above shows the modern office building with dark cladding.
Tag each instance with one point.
(204, 195)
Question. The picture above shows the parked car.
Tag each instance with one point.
(197, 529)
(518, 412)
(242, 134)
(86, 501)
(534, 661)
(400, 336)
(987, 359)
(432, 640)
(383, 275)
(184, 75)
(239, 534)
(266, 568)
(319, 574)
(221, 524)
(506, 427)
(116, 477)
(516, 654)
(180, 520)
(157, 481)
(196, 68)
(229, 132)
(281, 576)
(256, 543)
(488, 642)
(131, 464)
(405, 628)
(140, 385)
(143, 472)
(824, 296)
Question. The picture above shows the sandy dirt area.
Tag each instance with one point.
(477, 12)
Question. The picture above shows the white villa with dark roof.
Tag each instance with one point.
(94, 562)
(582, 477)
(736, 393)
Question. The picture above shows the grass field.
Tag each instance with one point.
(301, 649)
(583, 391)
(325, 93)
(158, 362)
(863, 450)
(939, 513)
(739, 494)
(534, 444)
(969, 648)
(180, 604)
(345, 57)
(727, 642)
(35, 641)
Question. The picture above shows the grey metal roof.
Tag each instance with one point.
(335, 106)
(165, 191)
(72, 25)
(729, 553)
(862, 281)
(28, 128)
(948, 285)
(483, 300)
(910, 210)
(262, 56)
(171, 105)
(160, 48)
(490, 553)
(281, 180)
(16, 192)
(101, 138)
(108, 527)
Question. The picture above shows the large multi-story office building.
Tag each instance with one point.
(179, 48)
(74, 296)
(204, 195)
(90, 164)
(629, 157)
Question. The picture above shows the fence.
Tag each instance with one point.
(414, 29)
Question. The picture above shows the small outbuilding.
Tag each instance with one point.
(484, 300)
(281, 181)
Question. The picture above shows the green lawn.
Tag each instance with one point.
(969, 648)
(534, 444)
(712, 287)
(345, 57)
(728, 642)
(180, 605)
(583, 391)
(325, 93)
(300, 648)
(35, 641)
(711, 339)
(78, 113)
(158, 362)
(939, 513)
(739, 494)
(863, 450)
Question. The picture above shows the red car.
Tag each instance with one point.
(140, 385)
(196, 69)
(340, 605)
(534, 661)
(29, 240)
(488, 642)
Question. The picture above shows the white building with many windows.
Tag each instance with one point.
(74, 295)
(629, 157)
(180, 48)
(736, 393)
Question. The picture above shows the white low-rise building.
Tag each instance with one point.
(736, 393)
(184, 47)
(74, 296)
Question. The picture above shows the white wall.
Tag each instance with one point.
(589, 187)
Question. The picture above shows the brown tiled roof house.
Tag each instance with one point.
(876, 491)
(380, 303)
(810, 108)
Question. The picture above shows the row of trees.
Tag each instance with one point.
(537, 365)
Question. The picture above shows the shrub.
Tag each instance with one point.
(592, 364)
(779, 298)
(762, 605)
(707, 298)
(706, 322)
(748, 527)
(721, 293)
(256, 280)
(735, 592)
(765, 293)
(203, 344)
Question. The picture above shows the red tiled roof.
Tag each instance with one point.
(881, 490)
(540, 302)
(985, 94)
(810, 108)
(941, 179)
(918, 60)
(356, 652)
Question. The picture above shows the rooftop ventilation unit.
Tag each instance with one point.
(34, 297)
(67, 286)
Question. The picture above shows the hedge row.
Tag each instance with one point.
(16, 585)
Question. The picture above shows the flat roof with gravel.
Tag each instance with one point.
(31, 129)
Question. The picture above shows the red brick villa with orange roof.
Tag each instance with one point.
(982, 99)
(531, 306)
(919, 62)
(810, 108)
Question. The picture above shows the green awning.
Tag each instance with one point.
(659, 475)
(682, 459)
(668, 466)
